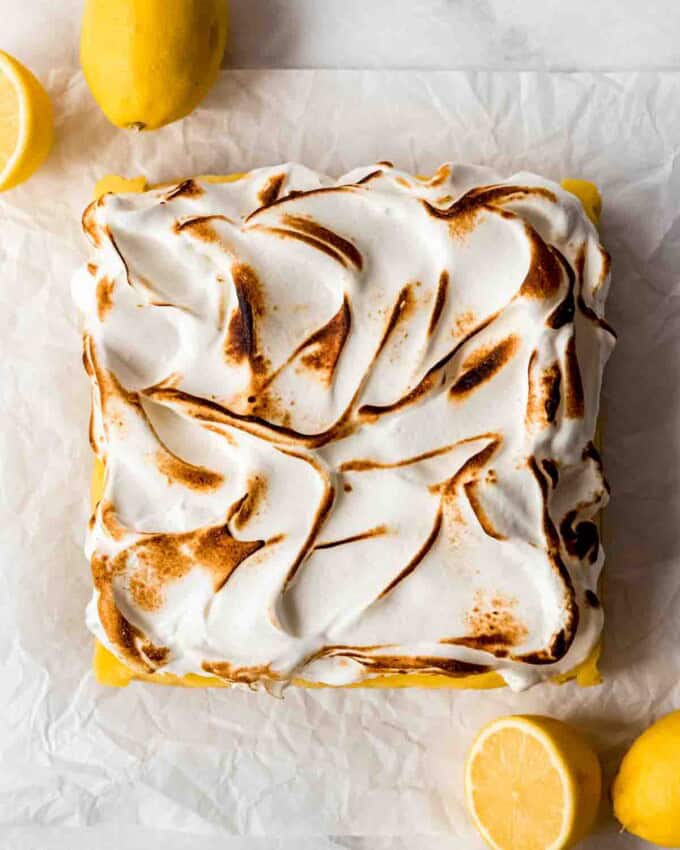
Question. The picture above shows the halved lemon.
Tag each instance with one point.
(532, 783)
(26, 123)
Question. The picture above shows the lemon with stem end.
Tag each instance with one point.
(646, 791)
(151, 62)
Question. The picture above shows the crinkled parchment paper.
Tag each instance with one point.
(321, 769)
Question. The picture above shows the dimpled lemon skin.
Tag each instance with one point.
(26, 123)
(151, 62)
(532, 783)
(646, 791)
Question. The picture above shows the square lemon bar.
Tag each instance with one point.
(345, 429)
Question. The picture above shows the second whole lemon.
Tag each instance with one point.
(646, 791)
(151, 62)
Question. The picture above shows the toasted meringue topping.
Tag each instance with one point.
(347, 425)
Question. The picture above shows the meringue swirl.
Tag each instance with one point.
(348, 426)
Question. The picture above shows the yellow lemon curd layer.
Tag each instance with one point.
(109, 670)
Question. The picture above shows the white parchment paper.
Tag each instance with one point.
(322, 769)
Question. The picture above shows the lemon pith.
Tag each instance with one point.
(532, 782)
(26, 123)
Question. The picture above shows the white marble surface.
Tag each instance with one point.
(492, 34)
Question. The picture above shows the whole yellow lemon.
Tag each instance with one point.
(646, 791)
(151, 62)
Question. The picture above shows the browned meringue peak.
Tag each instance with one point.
(347, 424)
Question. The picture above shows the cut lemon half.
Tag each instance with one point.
(532, 783)
(26, 123)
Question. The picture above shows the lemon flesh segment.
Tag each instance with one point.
(26, 123)
(532, 783)
(9, 121)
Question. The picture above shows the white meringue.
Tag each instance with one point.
(347, 425)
